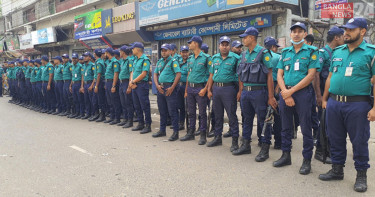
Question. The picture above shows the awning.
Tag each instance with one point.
(130, 37)
(95, 42)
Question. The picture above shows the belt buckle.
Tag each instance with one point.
(221, 84)
(249, 88)
(341, 98)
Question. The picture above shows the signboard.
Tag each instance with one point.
(123, 18)
(43, 36)
(12, 43)
(95, 42)
(107, 27)
(88, 24)
(26, 41)
(157, 11)
(260, 21)
(318, 3)
(1, 45)
(293, 2)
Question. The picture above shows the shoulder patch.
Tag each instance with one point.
(115, 66)
(49, 69)
(145, 64)
(267, 58)
(93, 68)
(130, 65)
(209, 63)
(175, 65)
(313, 57)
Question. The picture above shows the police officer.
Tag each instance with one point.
(99, 91)
(48, 85)
(174, 53)
(75, 85)
(167, 74)
(112, 87)
(255, 93)
(87, 84)
(67, 79)
(335, 38)
(184, 53)
(59, 85)
(223, 80)
(297, 67)
(29, 93)
(81, 60)
(126, 96)
(237, 47)
(196, 88)
(270, 44)
(1, 81)
(38, 85)
(139, 83)
(347, 101)
(204, 48)
(22, 82)
(32, 85)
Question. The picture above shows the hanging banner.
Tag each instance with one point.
(43, 36)
(12, 43)
(88, 24)
(26, 41)
(107, 26)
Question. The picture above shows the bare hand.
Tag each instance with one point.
(160, 89)
(185, 95)
(371, 115)
(96, 89)
(319, 100)
(286, 93)
(324, 104)
(90, 88)
(129, 90)
(81, 90)
(202, 92)
(209, 94)
(272, 102)
(70, 89)
(48, 87)
(239, 96)
(290, 102)
(169, 91)
(113, 89)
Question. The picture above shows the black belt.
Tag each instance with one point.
(166, 84)
(108, 80)
(253, 88)
(59, 80)
(124, 81)
(141, 82)
(76, 82)
(67, 81)
(33, 82)
(346, 99)
(87, 82)
(182, 83)
(197, 85)
(224, 84)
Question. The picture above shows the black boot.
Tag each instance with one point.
(181, 126)
(122, 123)
(128, 124)
(174, 137)
(101, 117)
(94, 117)
(361, 181)
(114, 122)
(284, 160)
(264, 153)
(336, 173)
(55, 113)
(139, 127)
(217, 141)
(188, 136)
(86, 117)
(108, 121)
(319, 156)
(306, 167)
(228, 134)
(202, 139)
(211, 134)
(198, 132)
(159, 134)
(147, 129)
(244, 149)
(234, 144)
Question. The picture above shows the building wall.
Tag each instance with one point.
(9, 6)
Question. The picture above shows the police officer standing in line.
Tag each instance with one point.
(99, 91)
(67, 79)
(270, 44)
(347, 101)
(112, 87)
(48, 85)
(184, 53)
(88, 83)
(167, 74)
(222, 86)
(10, 72)
(297, 67)
(29, 93)
(1, 81)
(21, 82)
(174, 53)
(335, 38)
(32, 83)
(75, 85)
(255, 93)
(59, 85)
(139, 84)
(126, 96)
(38, 86)
(196, 89)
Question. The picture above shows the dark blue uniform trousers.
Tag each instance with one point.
(78, 98)
(322, 87)
(314, 114)
(225, 98)
(88, 98)
(49, 96)
(59, 96)
(1, 86)
(193, 99)
(67, 96)
(126, 101)
(39, 97)
(181, 102)
(255, 102)
(113, 100)
(303, 103)
(168, 106)
(142, 102)
(349, 119)
(98, 99)
(22, 90)
(29, 92)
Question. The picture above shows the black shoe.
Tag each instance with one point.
(174, 137)
(55, 113)
(80, 116)
(181, 126)
(197, 133)
(277, 147)
(217, 141)
(264, 153)
(202, 139)
(114, 122)
(227, 134)
(94, 117)
(284, 160)
(86, 117)
(211, 134)
(319, 156)
(245, 148)
(147, 129)
(159, 134)
(108, 121)
(139, 127)
(44, 111)
(336, 173)
(72, 115)
(50, 112)
(189, 135)
(361, 181)
(128, 124)
(101, 117)
(122, 123)
(306, 167)
(62, 114)
(234, 144)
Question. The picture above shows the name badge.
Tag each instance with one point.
(349, 70)
(75, 75)
(335, 69)
(296, 65)
(287, 67)
(86, 74)
(286, 59)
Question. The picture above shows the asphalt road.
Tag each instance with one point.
(45, 155)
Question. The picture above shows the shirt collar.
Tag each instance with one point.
(361, 46)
